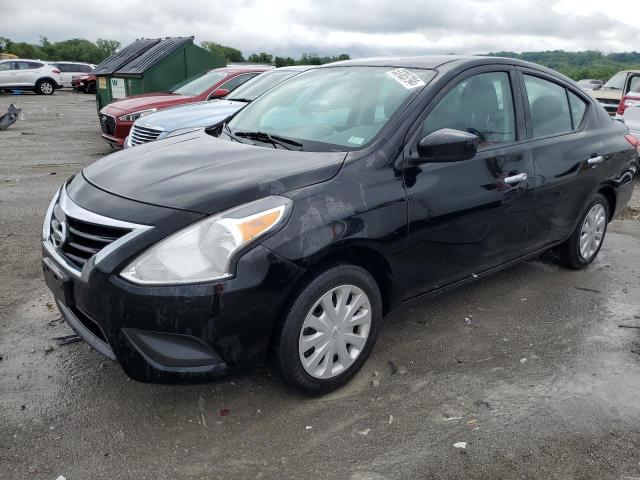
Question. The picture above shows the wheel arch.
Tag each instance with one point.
(360, 254)
(608, 192)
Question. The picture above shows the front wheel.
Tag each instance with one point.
(586, 240)
(45, 87)
(329, 330)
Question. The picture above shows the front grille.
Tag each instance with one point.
(107, 124)
(140, 134)
(78, 240)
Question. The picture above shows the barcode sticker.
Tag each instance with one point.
(407, 79)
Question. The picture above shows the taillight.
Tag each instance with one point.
(633, 141)
(55, 70)
(627, 102)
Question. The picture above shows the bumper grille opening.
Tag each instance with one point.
(88, 322)
(78, 240)
(141, 134)
(107, 124)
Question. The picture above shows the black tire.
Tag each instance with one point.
(91, 87)
(287, 354)
(569, 252)
(45, 87)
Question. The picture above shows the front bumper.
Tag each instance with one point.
(175, 333)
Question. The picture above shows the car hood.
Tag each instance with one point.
(140, 102)
(204, 174)
(201, 114)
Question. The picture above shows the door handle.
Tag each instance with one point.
(520, 177)
(595, 160)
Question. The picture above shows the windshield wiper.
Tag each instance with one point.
(244, 100)
(272, 139)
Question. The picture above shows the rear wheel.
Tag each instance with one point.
(45, 87)
(329, 330)
(90, 88)
(586, 240)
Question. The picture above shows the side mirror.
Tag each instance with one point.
(218, 93)
(447, 145)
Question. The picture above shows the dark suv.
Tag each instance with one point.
(291, 229)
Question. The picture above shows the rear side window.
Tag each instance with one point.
(634, 84)
(482, 105)
(84, 68)
(549, 107)
(35, 65)
(578, 107)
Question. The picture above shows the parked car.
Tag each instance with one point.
(290, 230)
(187, 118)
(25, 74)
(590, 84)
(84, 82)
(117, 118)
(615, 88)
(69, 69)
(631, 118)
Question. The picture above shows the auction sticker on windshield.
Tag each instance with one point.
(406, 78)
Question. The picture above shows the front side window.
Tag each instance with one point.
(333, 108)
(549, 107)
(6, 66)
(198, 85)
(482, 105)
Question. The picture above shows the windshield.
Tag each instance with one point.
(332, 108)
(197, 85)
(617, 81)
(257, 86)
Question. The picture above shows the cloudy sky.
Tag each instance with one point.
(357, 27)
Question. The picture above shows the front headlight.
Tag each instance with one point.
(205, 250)
(180, 131)
(132, 117)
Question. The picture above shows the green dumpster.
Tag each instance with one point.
(151, 65)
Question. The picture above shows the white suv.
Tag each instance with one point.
(24, 74)
(69, 69)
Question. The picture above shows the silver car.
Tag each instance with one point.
(188, 118)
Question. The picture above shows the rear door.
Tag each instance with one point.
(469, 216)
(567, 155)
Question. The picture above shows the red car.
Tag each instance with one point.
(117, 117)
(85, 82)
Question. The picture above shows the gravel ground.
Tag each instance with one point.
(529, 367)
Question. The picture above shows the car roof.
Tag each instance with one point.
(24, 60)
(445, 62)
(69, 61)
(234, 69)
(295, 68)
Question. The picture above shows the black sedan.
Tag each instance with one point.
(288, 231)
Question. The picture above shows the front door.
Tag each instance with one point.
(468, 216)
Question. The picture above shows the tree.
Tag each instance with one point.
(108, 47)
(261, 57)
(230, 54)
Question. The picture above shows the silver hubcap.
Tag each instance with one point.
(335, 331)
(592, 231)
(46, 88)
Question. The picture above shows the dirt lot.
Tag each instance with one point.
(530, 368)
